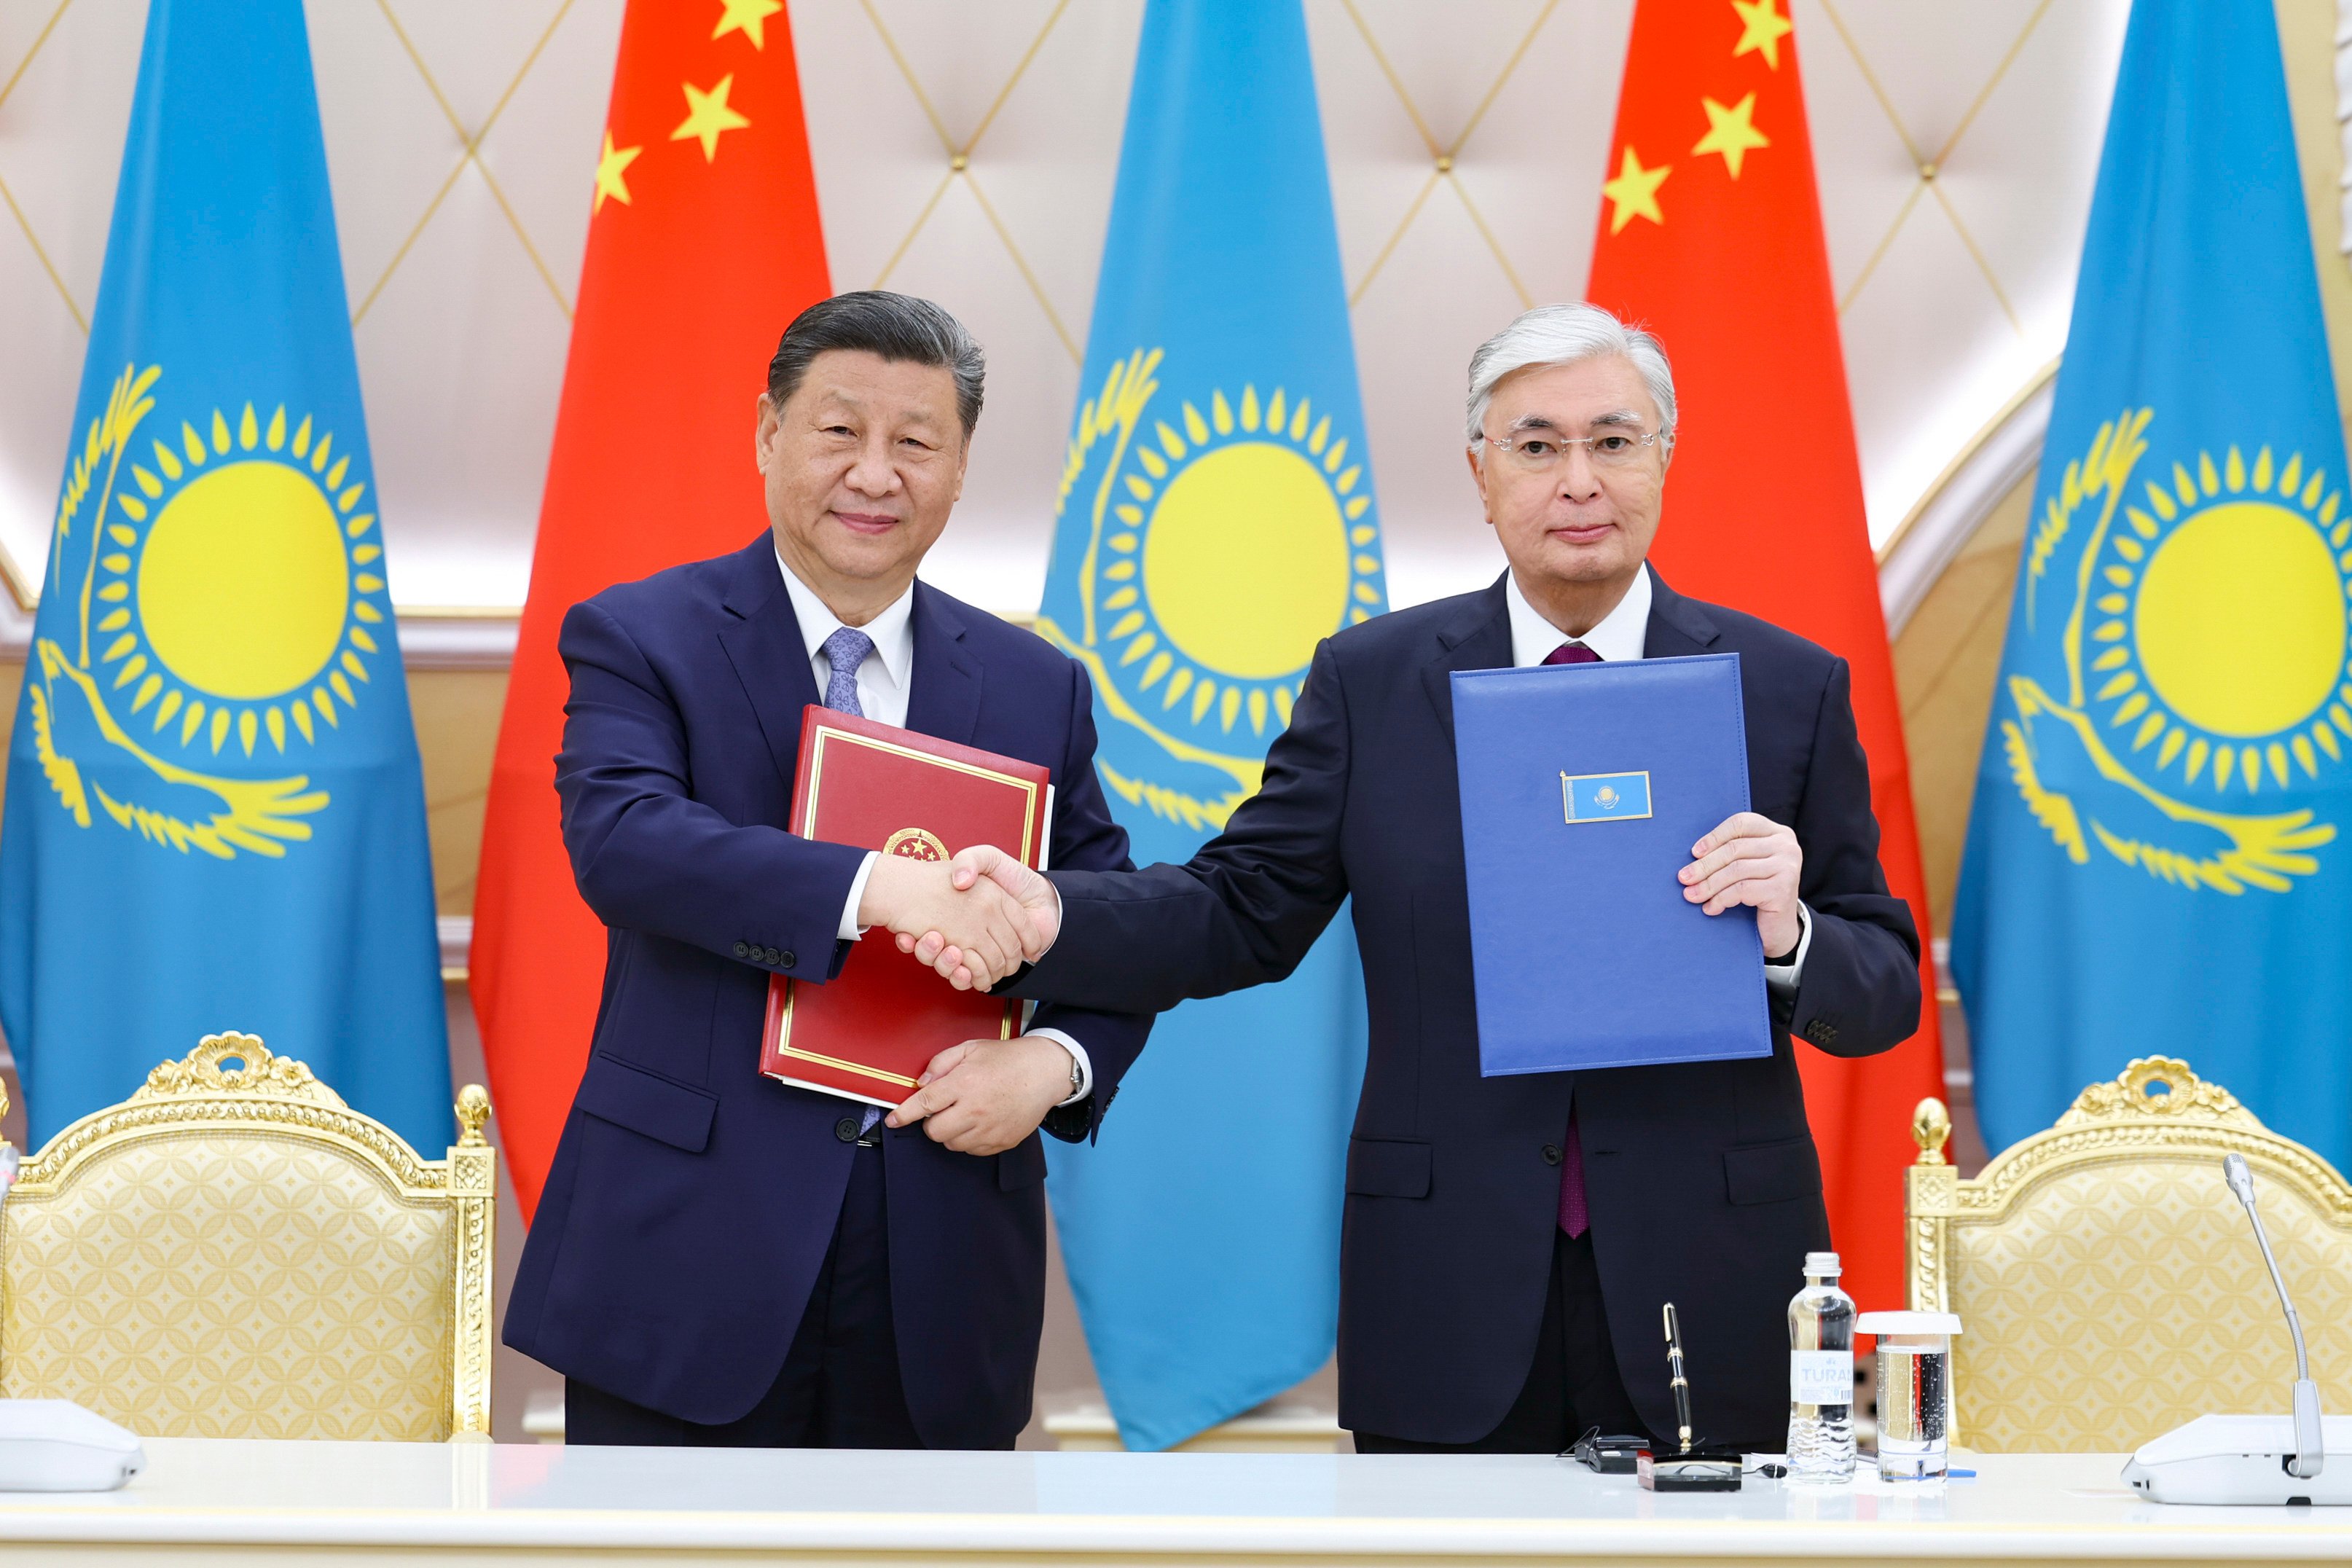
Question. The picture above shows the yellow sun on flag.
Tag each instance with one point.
(235, 592)
(2217, 623)
(1236, 547)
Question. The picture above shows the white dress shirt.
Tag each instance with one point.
(1622, 633)
(885, 680)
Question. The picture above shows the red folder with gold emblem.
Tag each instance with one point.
(868, 1033)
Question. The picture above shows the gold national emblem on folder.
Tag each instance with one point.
(1605, 797)
(915, 843)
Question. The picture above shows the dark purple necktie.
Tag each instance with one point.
(1574, 1217)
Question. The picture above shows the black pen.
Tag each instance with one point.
(1681, 1387)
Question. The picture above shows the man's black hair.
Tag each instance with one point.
(898, 327)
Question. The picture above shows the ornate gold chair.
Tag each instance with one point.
(2109, 1285)
(232, 1252)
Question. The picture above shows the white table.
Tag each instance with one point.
(293, 1502)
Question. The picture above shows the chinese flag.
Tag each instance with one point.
(1711, 236)
(703, 243)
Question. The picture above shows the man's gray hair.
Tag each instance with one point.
(1563, 334)
(897, 327)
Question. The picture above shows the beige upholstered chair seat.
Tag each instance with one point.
(2109, 1283)
(234, 1253)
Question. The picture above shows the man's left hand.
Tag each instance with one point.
(1753, 861)
(983, 1096)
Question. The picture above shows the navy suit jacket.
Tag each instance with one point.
(692, 1200)
(1704, 1185)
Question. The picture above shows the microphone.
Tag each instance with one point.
(2310, 1455)
(2235, 1459)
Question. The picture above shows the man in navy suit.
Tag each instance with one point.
(720, 1259)
(1508, 1241)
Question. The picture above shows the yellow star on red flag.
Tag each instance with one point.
(1731, 132)
(748, 17)
(708, 117)
(1634, 190)
(1761, 29)
(610, 168)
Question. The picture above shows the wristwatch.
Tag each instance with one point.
(1077, 1078)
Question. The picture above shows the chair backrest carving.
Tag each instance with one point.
(2109, 1283)
(233, 1251)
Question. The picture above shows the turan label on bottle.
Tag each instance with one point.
(1821, 1377)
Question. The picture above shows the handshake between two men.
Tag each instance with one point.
(976, 920)
(982, 916)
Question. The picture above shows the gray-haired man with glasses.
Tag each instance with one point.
(1509, 1240)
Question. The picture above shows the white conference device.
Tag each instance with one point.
(2252, 1459)
(56, 1445)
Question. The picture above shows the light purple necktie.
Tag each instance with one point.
(1575, 1218)
(844, 650)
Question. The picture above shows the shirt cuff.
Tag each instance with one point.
(1791, 970)
(1078, 1055)
(850, 930)
(1057, 924)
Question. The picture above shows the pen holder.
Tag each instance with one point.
(1696, 1470)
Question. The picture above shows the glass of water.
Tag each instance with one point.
(1915, 1392)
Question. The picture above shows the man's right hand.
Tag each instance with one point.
(981, 868)
(984, 926)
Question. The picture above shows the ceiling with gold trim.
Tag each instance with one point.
(969, 152)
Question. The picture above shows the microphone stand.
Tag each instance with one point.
(2227, 1460)
(2310, 1455)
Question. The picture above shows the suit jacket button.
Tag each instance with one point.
(742, 950)
(767, 954)
(1551, 1155)
(847, 1130)
(785, 959)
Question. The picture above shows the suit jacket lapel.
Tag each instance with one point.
(771, 660)
(1478, 638)
(944, 700)
(1678, 627)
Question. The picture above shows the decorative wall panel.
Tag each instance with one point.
(968, 152)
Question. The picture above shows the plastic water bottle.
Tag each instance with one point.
(1820, 1376)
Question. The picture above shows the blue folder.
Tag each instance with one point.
(1583, 788)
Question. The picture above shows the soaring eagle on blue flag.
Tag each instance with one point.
(215, 815)
(2157, 858)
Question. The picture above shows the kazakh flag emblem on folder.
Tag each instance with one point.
(215, 816)
(1605, 797)
(2157, 860)
(1216, 522)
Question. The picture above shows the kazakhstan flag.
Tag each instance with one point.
(215, 816)
(1216, 522)
(2157, 860)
